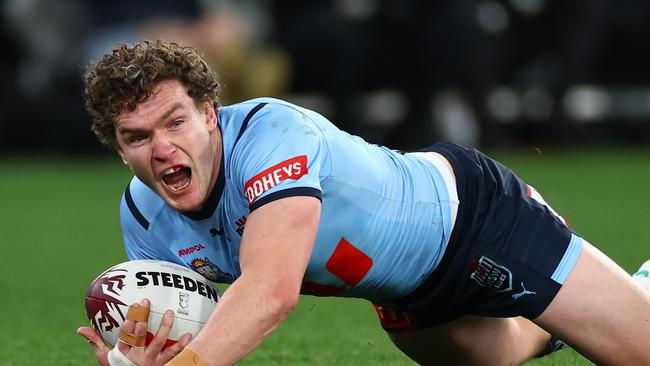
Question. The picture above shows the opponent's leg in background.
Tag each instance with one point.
(474, 340)
(601, 312)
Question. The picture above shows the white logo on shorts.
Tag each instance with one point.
(523, 293)
(490, 274)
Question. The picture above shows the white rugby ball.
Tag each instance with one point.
(167, 286)
(642, 275)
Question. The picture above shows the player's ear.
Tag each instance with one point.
(120, 152)
(210, 114)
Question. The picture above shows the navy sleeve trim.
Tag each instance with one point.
(247, 119)
(134, 209)
(289, 192)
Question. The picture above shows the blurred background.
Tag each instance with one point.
(558, 90)
(404, 73)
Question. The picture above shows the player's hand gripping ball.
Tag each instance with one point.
(642, 276)
(166, 285)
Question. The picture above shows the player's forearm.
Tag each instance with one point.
(248, 311)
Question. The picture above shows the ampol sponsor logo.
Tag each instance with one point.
(293, 168)
(190, 250)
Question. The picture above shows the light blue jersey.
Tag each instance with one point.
(385, 221)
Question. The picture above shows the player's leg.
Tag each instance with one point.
(474, 340)
(601, 312)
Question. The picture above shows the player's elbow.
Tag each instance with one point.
(286, 298)
(283, 298)
(276, 295)
(284, 306)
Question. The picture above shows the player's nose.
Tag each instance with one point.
(163, 148)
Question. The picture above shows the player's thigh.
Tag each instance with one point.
(473, 340)
(601, 312)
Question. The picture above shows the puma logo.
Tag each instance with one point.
(521, 294)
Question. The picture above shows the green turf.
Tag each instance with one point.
(59, 228)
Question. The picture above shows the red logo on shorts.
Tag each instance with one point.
(293, 168)
(393, 320)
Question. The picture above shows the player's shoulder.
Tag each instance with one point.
(140, 205)
(268, 102)
(261, 109)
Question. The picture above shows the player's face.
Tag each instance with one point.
(172, 145)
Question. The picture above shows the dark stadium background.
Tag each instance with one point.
(558, 90)
(401, 73)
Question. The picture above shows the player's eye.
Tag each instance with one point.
(136, 139)
(177, 122)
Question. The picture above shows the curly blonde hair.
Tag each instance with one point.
(127, 76)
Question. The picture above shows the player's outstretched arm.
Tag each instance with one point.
(275, 250)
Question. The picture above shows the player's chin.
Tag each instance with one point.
(190, 201)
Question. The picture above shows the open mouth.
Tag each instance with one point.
(177, 178)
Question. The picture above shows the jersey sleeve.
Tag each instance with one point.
(281, 153)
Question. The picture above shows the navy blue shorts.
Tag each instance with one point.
(508, 255)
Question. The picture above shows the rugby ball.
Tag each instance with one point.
(642, 275)
(167, 286)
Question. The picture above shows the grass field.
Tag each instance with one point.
(59, 228)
